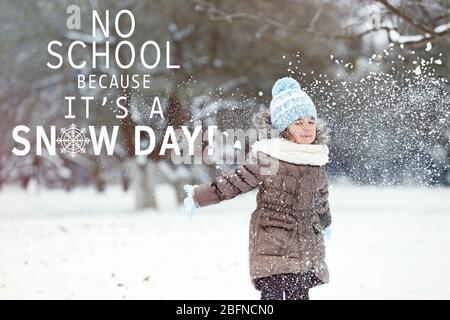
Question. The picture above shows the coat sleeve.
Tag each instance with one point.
(322, 217)
(245, 178)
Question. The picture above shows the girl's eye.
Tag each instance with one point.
(300, 123)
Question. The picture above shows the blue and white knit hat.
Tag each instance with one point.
(289, 102)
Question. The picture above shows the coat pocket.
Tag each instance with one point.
(273, 237)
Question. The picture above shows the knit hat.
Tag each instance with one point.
(289, 102)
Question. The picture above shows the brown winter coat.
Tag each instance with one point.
(292, 208)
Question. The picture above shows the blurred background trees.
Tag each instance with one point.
(391, 127)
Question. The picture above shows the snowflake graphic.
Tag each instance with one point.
(73, 140)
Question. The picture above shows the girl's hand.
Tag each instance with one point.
(189, 202)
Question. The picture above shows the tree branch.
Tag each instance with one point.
(405, 17)
(430, 35)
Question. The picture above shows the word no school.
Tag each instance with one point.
(148, 49)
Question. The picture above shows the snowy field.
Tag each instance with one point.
(387, 243)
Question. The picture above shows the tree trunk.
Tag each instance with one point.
(1, 173)
(97, 177)
(144, 171)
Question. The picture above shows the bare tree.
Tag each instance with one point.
(430, 25)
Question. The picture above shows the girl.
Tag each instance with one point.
(286, 246)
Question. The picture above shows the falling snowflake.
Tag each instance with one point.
(73, 140)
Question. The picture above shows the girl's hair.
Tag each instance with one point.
(262, 121)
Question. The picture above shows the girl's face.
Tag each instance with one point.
(303, 130)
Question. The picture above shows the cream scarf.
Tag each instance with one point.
(285, 150)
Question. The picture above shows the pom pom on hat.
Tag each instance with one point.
(283, 84)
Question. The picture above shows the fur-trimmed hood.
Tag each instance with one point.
(262, 121)
(315, 154)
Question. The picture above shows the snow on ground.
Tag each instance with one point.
(391, 243)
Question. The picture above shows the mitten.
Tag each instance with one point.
(327, 233)
(189, 201)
